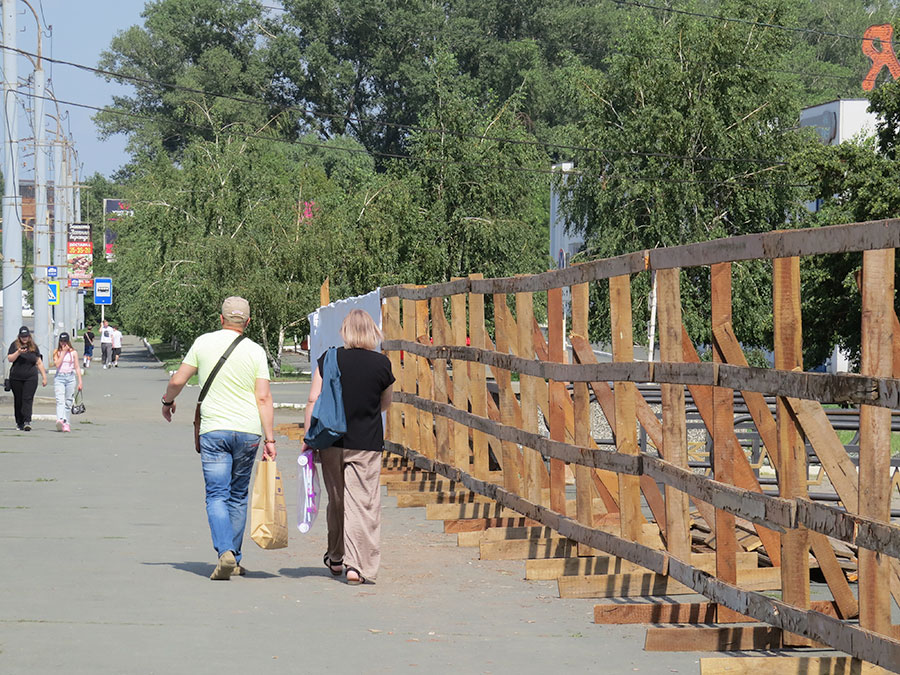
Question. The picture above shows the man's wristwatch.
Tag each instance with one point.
(267, 441)
(165, 402)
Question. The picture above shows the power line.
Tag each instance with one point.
(397, 125)
(747, 22)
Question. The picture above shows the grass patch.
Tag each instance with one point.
(10, 508)
(847, 436)
(36, 480)
(171, 358)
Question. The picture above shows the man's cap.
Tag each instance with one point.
(235, 309)
(63, 337)
(24, 332)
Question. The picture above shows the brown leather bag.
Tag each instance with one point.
(206, 385)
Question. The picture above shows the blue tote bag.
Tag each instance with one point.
(328, 423)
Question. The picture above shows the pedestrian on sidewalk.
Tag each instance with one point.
(27, 364)
(68, 374)
(116, 345)
(236, 413)
(351, 469)
(88, 336)
(106, 344)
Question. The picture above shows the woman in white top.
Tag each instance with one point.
(67, 373)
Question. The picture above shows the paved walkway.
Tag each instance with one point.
(105, 554)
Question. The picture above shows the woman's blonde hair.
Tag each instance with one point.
(359, 331)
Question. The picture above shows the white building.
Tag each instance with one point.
(563, 244)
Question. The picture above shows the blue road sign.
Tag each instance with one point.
(53, 292)
(74, 283)
(52, 272)
(103, 291)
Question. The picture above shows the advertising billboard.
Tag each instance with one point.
(80, 255)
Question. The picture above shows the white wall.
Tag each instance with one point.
(325, 322)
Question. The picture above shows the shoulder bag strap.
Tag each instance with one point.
(215, 371)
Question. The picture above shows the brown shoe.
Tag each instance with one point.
(225, 567)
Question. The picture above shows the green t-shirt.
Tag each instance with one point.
(230, 403)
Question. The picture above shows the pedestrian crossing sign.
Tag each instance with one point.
(53, 292)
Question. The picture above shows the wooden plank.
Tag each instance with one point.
(534, 470)
(422, 486)
(524, 549)
(584, 483)
(547, 570)
(391, 325)
(539, 533)
(674, 424)
(724, 447)
(744, 476)
(788, 665)
(418, 499)
(792, 469)
(626, 421)
(468, 510)
(555, 331)
(459, 435)
(477, 382)
(510, 414)
(481, 524)
(781, 244)
(408, 378)
(324, 293)
(675, 613)
(649, 584)
(425, 380)
(875, 434)
(731, 639)
(440, 331)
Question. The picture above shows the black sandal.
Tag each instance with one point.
(355, 582)
(331, 564)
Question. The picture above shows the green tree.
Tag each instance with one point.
(692, 147)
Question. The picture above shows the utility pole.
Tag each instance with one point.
(59, 217)
(43, 330)
(77, 295)
(13, 264)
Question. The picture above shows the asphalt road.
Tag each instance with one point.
(105, 556)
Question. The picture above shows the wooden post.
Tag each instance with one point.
(460, 433)
(503, 377)
(556, 353)
(792, 471)
(425, 382)
(410, 414)
(390, 311)
(584, 481)
(724, 447)
(532, 460)
(674, 424)
(875, 435)
(440, 331)
(477, 383)
(626, 414)
(324, 293)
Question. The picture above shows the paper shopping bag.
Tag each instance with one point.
(268, 513)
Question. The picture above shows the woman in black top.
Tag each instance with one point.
(351, 469)
(26, 363)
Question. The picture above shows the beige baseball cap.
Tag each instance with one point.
(235, 309)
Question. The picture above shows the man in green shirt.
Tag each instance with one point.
(236, 413)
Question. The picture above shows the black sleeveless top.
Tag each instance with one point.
(364, 377)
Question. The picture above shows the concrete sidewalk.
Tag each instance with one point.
(106, 555)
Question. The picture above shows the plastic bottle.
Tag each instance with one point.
(309, 490)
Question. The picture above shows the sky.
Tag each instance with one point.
(81, 30)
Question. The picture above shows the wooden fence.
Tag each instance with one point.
(445, 420)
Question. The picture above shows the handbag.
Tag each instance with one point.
(78, 405)
(206, 385)
(328, 423)
(268, 513)
(6, 385)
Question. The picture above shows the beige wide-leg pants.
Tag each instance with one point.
(352, 480)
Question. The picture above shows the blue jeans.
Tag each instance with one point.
(64, 388)
(227, 458)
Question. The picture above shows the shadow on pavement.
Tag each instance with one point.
(202, 569)
(300, 572)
